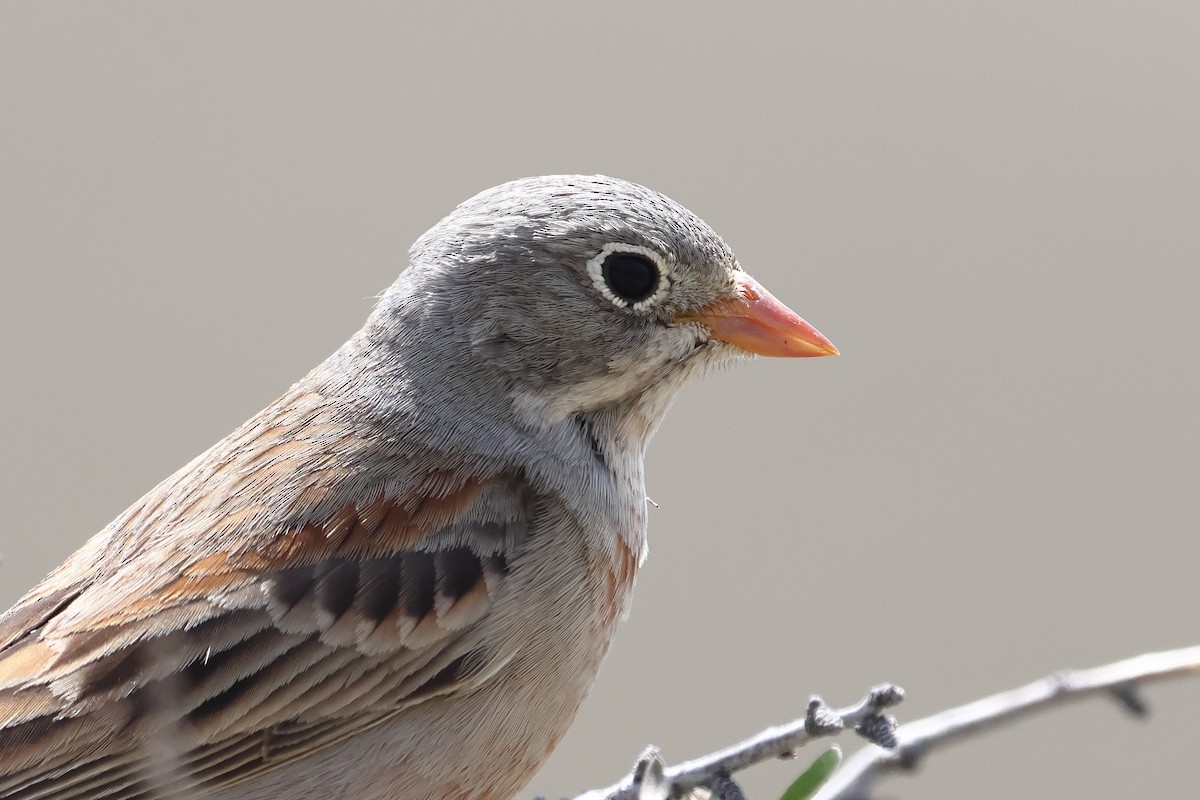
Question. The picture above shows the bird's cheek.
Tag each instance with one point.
(753, 320)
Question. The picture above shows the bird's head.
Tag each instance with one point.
(578, 293)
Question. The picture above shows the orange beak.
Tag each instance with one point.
(758, 323)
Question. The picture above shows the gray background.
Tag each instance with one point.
(992, 209)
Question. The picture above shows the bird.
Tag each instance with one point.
(399, 579)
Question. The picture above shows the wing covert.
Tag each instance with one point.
(245, 661)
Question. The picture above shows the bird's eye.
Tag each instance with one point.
(629, 275)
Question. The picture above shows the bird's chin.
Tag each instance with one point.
(705, 356)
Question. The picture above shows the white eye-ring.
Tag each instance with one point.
(629, 275)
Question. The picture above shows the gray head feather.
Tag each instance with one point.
(501, 287)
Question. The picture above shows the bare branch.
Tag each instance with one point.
(898, 748)
(915, 740)
(651, 780)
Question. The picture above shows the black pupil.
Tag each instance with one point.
(631, 277)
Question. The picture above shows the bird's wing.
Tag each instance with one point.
(147, 677)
